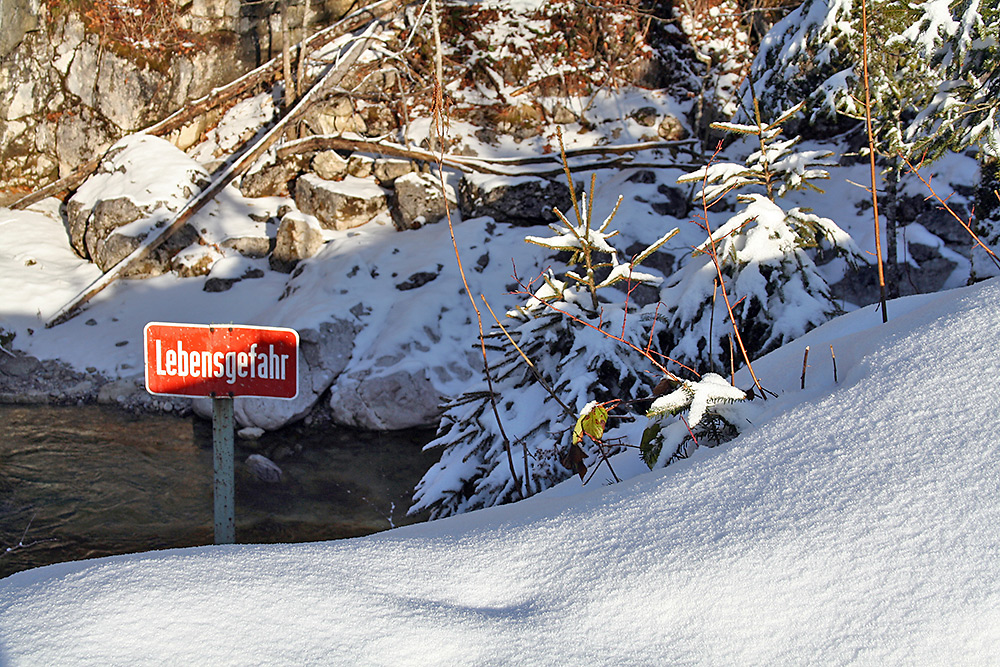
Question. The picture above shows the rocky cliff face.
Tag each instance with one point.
(75, 76)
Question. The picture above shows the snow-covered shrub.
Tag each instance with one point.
(763, 255)
(706, 412)
(933, 76)
(774, 167)
(775, 288)
(815, 54)
(574, 340)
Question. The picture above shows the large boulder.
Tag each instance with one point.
(391, 401)
(137, 188)
(418, 200)
(340, 204)
(519, 200)
(323, 355)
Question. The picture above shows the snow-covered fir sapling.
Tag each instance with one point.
(761, 256)
(706, 412)
(575, 342)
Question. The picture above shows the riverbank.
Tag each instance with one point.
(27, 380)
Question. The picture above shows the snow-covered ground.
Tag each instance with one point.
(852, 522)
(855, 523)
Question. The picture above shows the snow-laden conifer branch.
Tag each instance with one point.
(758, 259)
(712, 414)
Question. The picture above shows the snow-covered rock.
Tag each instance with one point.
(418, 200)
(137, 188)
(519, 200)
(396, 400)
(340, 205)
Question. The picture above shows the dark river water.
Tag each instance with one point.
(83, 482)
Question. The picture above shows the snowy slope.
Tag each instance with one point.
(855, 523)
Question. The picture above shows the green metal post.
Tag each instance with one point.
(224, 489)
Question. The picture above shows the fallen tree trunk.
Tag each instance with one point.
(265, 73)
(485, 165)
(331, 77)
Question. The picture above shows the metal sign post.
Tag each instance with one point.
(222, 456)
(221, 361)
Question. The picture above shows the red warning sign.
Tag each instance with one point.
(221, 360)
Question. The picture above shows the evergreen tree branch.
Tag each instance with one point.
(531, 366)
(713, 253)
(438, 127)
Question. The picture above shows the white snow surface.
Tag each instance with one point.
(852, 523)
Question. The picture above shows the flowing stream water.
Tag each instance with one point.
(89, 481)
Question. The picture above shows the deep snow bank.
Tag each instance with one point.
(854, 523)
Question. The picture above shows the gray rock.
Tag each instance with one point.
(65, 96)
(388, 170)
(419, 279)
(263, 468)
(272, 179)
(329, 166)
(385, 402)
(78, 215)
(121, 391)
(335, 116)
(18, 366)
(676, 203)
(417, 200)
(339, 205)
(299, 237)
(253, 247)
(519, 200)
(216, 285)
(19, 17)
(106, 216)
(645, 116)
(860, 286)
(104, 204)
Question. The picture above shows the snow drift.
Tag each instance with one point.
(854, 523)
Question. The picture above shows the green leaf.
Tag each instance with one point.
(591, 422)
(651, 444)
